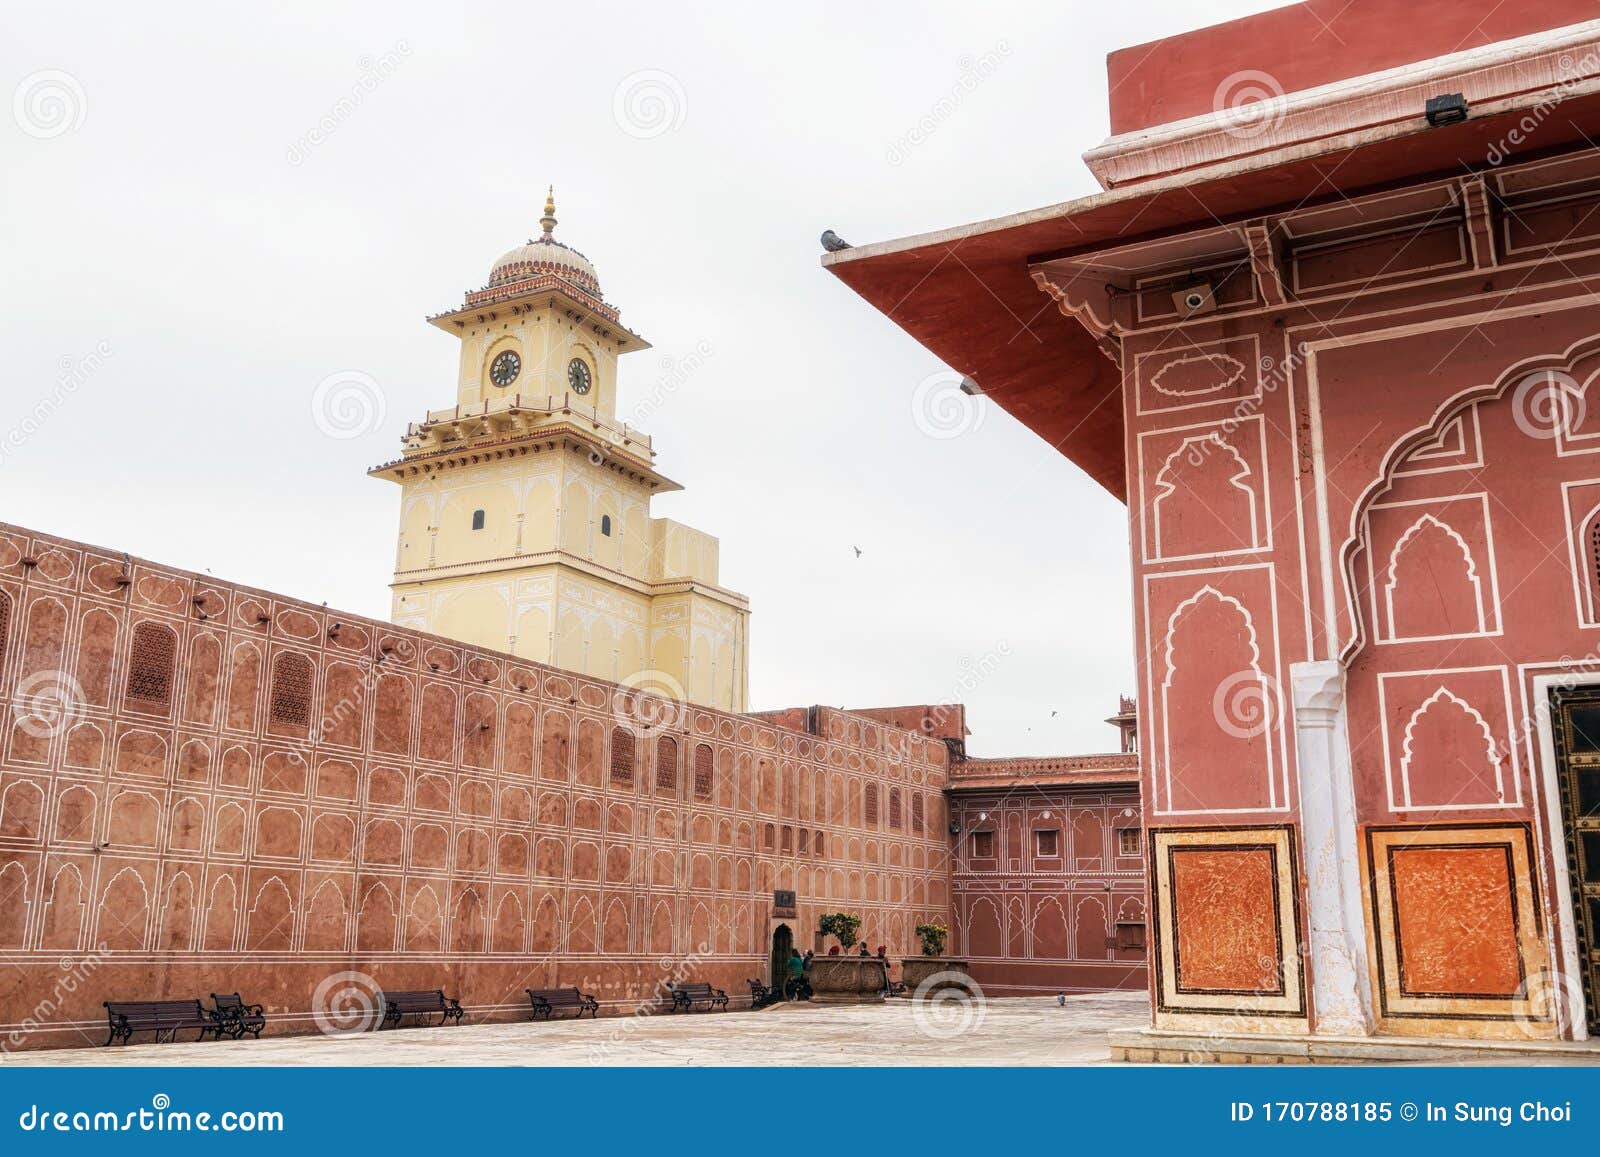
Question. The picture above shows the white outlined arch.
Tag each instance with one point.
(396, 918)
(53, 909)
(1343, 564)
(257, 933)
(177, 936)
(1423, 523)
(15, 903)
(1197, 449)
(312, 911)
(1255, 675)
(1444, 695)
(125, 919)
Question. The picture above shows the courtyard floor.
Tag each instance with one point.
(1003, 1031)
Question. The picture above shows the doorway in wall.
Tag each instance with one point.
(1576, 716)
(782, 945)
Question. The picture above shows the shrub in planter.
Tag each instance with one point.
(933, 937)
(842, 927)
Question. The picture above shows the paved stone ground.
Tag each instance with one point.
(1007, 1031)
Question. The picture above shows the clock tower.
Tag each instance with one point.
(525, 519)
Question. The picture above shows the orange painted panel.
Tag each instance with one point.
(1227, 923)
(1454, 921)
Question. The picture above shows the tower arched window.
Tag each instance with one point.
(477, 520)
(605, 525)
(150, 660)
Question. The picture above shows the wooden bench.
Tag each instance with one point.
(237, 1017)
(686, 996)
(761, 995)
(165, 1018)
(397, 1005)
(546, 1000)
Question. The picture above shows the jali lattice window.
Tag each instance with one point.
(895, 821)
(869, 806)
(622, 756)
(704, 776)
(917, 822)
(292, 676)
(150, 662)
(667, 763)
(5, 622)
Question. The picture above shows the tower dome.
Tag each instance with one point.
(544, 255)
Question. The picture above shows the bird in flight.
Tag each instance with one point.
(857, 549)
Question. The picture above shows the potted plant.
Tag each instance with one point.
(933, 965)
(842, 927)
(845, 979)
(933, 937)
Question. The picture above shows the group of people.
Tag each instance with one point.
(798, 985)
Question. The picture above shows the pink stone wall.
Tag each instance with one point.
(1380, 449)
(1047, 891)
(208, 788)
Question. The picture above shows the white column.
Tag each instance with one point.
(1340, 988)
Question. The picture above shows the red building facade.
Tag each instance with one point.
(208, 788)
(1047, 882)
(1334, 349)
(205, 787)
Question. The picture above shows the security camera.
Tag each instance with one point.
(1193, 300)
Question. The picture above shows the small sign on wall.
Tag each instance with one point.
(783, 903)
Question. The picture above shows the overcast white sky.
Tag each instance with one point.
(178, 214)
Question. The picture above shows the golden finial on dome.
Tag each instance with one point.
(548, 221)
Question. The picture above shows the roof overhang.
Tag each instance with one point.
(966, 293)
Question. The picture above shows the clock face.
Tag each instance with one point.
(578, 376)
(505, 368)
